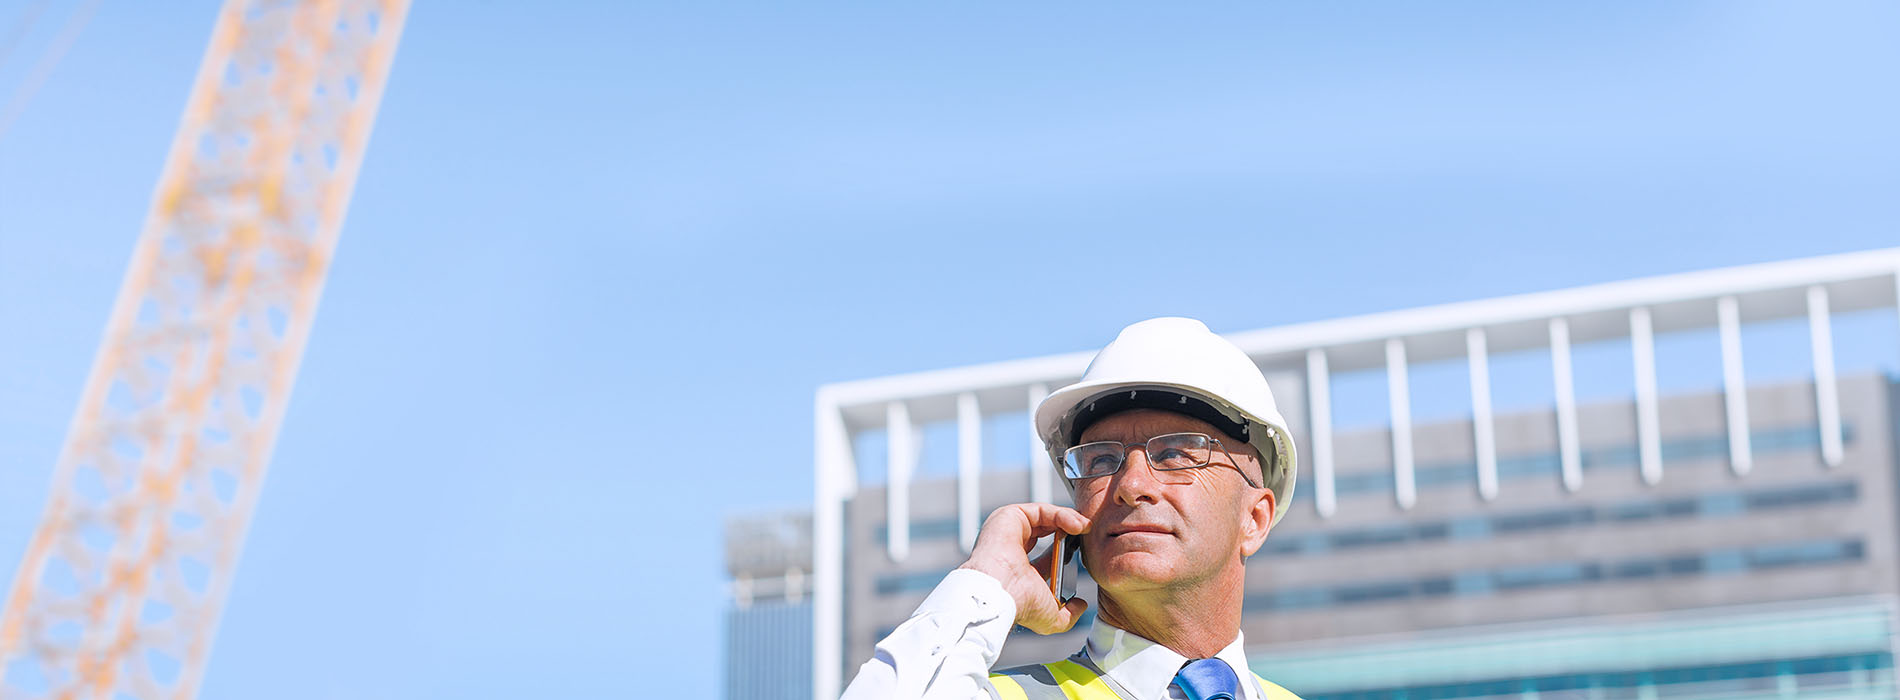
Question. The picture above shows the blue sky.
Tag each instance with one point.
(601, 254)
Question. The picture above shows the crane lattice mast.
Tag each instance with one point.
(123, 583)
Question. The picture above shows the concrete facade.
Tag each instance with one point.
(1701, 539)
(1646, 506)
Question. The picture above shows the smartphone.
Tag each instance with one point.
(1066, 561)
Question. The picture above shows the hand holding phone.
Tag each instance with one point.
(1043, 588)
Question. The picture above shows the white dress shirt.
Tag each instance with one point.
(945, 650)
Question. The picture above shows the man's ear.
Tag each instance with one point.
(1257, 520)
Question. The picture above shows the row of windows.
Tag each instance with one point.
(909, 582)
(938, 529)
(1549, 464)
(1708, 505)
(1451, 473)
(1737, 672)
(1722, 561)
(1715, 562)
(768, 652)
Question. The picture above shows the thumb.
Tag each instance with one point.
(1070, 614)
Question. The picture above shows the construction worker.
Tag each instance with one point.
(1178, 464)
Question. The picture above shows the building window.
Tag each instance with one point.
(938, 529)
(1796, 554)
(909, 582)
(1563, 573)
(1712, 505)
(1546, 575)
(1547, 464)
(1712, 680)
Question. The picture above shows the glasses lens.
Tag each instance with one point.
(1092, 459)
(1180, 450)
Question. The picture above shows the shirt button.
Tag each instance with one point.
(936, 650)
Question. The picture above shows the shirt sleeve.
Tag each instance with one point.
(945, 650)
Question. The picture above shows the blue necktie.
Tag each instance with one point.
(1208, 679)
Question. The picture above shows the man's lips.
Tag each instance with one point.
(1120, 530)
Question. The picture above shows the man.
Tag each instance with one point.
(1178, 463)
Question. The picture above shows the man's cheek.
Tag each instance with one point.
(1089, 501)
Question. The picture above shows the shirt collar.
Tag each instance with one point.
(1146, 668)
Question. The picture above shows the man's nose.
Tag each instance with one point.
(1136, 482)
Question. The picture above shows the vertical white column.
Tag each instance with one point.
(1569, 452)
(897, 428)
(1827, 400)
(1483, 435)
(1648, 428)
(1319, 402)
(1040, 470)
(835, 478)
(1728, 317)
(969, 468)
(1398, 386)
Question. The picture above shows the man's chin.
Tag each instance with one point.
(1136, 568)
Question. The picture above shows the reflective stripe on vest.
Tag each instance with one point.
(1274, 691)
(1068, 680)
(1007, 688)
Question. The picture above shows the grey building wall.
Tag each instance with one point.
(1792, 529)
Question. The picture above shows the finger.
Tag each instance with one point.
(1025, 523)
(1022, 522)
(1072, 522)
(1054, 516)
(1069, 614)
(1074, 609)
(1006, 524)
(1047, 518)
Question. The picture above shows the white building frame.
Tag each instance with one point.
(1721, 299)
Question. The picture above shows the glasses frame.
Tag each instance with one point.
(1231, 462)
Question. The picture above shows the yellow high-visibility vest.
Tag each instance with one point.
(1075, 678)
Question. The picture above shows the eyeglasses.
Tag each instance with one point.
(1171, 452)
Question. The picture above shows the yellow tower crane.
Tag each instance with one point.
(122, 585)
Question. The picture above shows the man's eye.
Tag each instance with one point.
(1171, 455)
(1102, 463)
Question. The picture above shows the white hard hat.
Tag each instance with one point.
(1176, 364)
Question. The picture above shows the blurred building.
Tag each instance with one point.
(1779, 583)
(1728, 543)
(768, 622)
